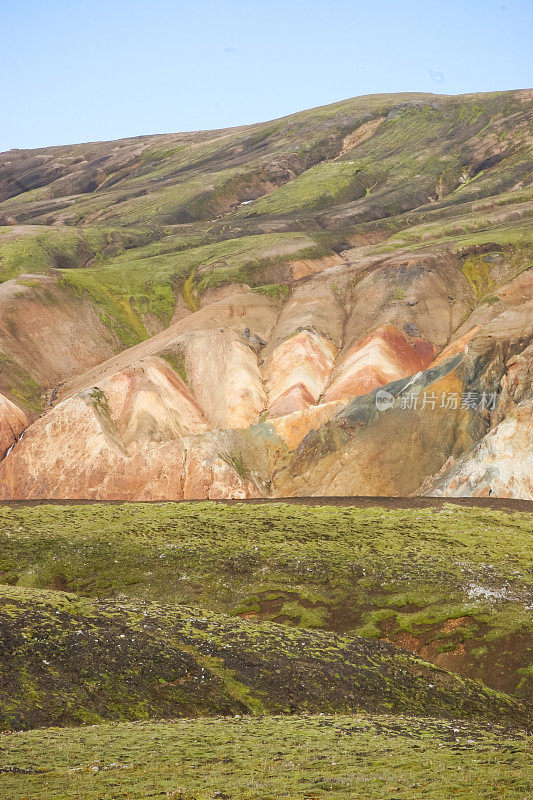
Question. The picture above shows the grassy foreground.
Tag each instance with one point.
(166, 610)
(268, 758)
(452, 584)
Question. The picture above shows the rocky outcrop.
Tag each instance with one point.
(149, 402)
(303, 349)
(225, 377)
(424, 295)
(384, 355)
(389, 441)
(500, 465)
(370, 448)
(13, 422)
(298, 372)
(50, 332)
(197, 412)
(77, 451)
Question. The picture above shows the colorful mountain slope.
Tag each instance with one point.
(200, 315)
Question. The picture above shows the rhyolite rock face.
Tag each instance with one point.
(13, 422)
(310, 308)
(500, 465)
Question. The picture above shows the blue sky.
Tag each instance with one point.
(74, 71)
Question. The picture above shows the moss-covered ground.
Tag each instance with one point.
(269, 758)
(20, 385)
(129, 278)
(40, 248)
(451, 583)
(69, 660)
(319, 187)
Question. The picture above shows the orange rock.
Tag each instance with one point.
(457, 346)
(298, 372)
(295, 427)
(301, 268)
(75, 451)
(150, 401)
(12, 423)
(49, 331)
(384, 355)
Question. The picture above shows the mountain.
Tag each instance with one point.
(338, 302)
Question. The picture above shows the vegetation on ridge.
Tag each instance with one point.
(70, 660)
(452, 583)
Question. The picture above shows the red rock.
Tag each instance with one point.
(384, 355)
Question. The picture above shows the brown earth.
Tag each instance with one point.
(444, 645)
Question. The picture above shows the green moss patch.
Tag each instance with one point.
(20, 386)
(63, 247)
(342, 757)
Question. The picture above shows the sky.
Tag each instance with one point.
(77, 70)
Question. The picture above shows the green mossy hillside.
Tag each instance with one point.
(40, 248)
(325, 185)
(455, 581)
(20, 386)
(128, 287)
(68, 660)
